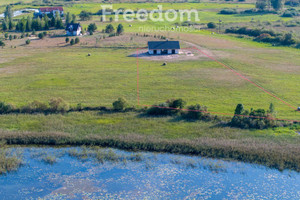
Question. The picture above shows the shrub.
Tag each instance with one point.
(290, 13)
(35, 106)
(176, 103)
(72, 42)
(160, 110)
(2, 44)
(288, 39)
(77, 40)
(84, 15)
(67, 40)
(170, 107)
(228, 11)
(92, 28)
(109, 28)
(58, 105)
(120, 104)
(120, 29)
(6, 108)
(27, 42)
(41, 35)
(197, 112)
(255, 119)
(211, 25)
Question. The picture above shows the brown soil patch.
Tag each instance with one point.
(184, 54)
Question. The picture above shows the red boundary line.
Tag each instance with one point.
(216, 113)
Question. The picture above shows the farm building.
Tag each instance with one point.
(163, 47)
(73, 29)
(50, 10)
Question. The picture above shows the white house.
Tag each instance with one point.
(163, 47)
(73, 29)
(51, 10)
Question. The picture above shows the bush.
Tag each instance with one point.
(72, 42)
(197, 112)
(27, 42)
(255, 119)
(41, 35)
(58, 105)
(84, 15)
(170, 107)
(120, 29)
(109, 28)
(67, 40)
(211, 25)
(35, 106)
(2, 44)
(77, 40)
(228, 11)
(92, 28)
(290, 13)
(120, 104)
(6, 108)
(176, 103)
(160, 110)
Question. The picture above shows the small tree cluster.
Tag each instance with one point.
(92, 28)
(256, 119)
(110, 29)
(170, 107)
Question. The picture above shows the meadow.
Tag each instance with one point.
(99, 79)
(50, 68)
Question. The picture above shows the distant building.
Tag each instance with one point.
(163, 47)
(50, 10)
(73, 29)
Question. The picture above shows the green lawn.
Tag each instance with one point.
(114, 124)
(101, 78)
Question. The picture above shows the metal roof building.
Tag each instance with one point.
(163, 47)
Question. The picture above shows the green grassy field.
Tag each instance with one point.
(51, 68)
(101, 78)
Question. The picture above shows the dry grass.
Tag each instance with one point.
(8, 161)
(279, 155)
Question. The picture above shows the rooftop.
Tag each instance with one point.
(163, 45)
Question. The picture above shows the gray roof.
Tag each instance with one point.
(72, 27)
(163, 45)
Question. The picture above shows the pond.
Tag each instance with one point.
(85, 173)
(21, 12)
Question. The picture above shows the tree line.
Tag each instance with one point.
(242, 118)
(269, 4)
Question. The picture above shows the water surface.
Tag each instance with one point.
(153, 176)
(21, 12)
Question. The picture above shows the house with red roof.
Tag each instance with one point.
(51, 10)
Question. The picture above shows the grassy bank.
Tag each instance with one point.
(277, 148)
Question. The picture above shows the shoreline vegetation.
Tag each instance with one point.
(278, 155)
(281, 152)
